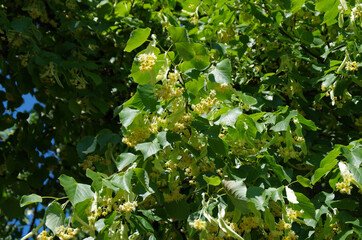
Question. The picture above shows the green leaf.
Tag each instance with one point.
(344, 234)
(217, 145)
(269, 219)
(80, 210)
(247, 99)
(29, 199)
(178, 34)
(104, 9)
(354, 157)
(330, 16)
(200, 57)
(127, 115)
(213, 180)
(54, 216)
(305, 182)
(125, 159)
(308, 124)
(141, 224)
(21, 24)
(257, 196)
(346, 203)
(97, 179)
(95, 77)
(138, 37)
(142, 176)
(74, 107)
(229, 118)
(296, 5)
(123, 180)
(186, 51)
(122, 9)
(178, 210)
(147, 96)
(221, 73)
(148, 148)
(86, 145)
(76, 192)
(182, 43)
(306, 205)
(283, 125)
(326, 165)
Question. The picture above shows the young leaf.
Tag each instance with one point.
(29, 199)
(138, 37)
(213, 180)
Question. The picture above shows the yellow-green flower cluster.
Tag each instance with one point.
(136, 136)
(148, 60)
(198, 224)
(24, 59)
(292, 88)
(356, 12)
(77, 79)
(169, 89)
(288, 152)
(15, 39)
(294, 214)
(335, 227)
(358, 122)
(206, 103)
(88, 162)
(49, 74)
(291, 236)
(44, 236)
(174, 195)
(248, 224)
(128, 206)
(274, 234)
(223, 87)
(282, 225)
(37, 10)
(351, 66)
(345, 186)
(3, 169)
(71, 4)
(183, 123)
(281, 228)
(66, 232)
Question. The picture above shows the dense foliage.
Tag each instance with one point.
(173, 119)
